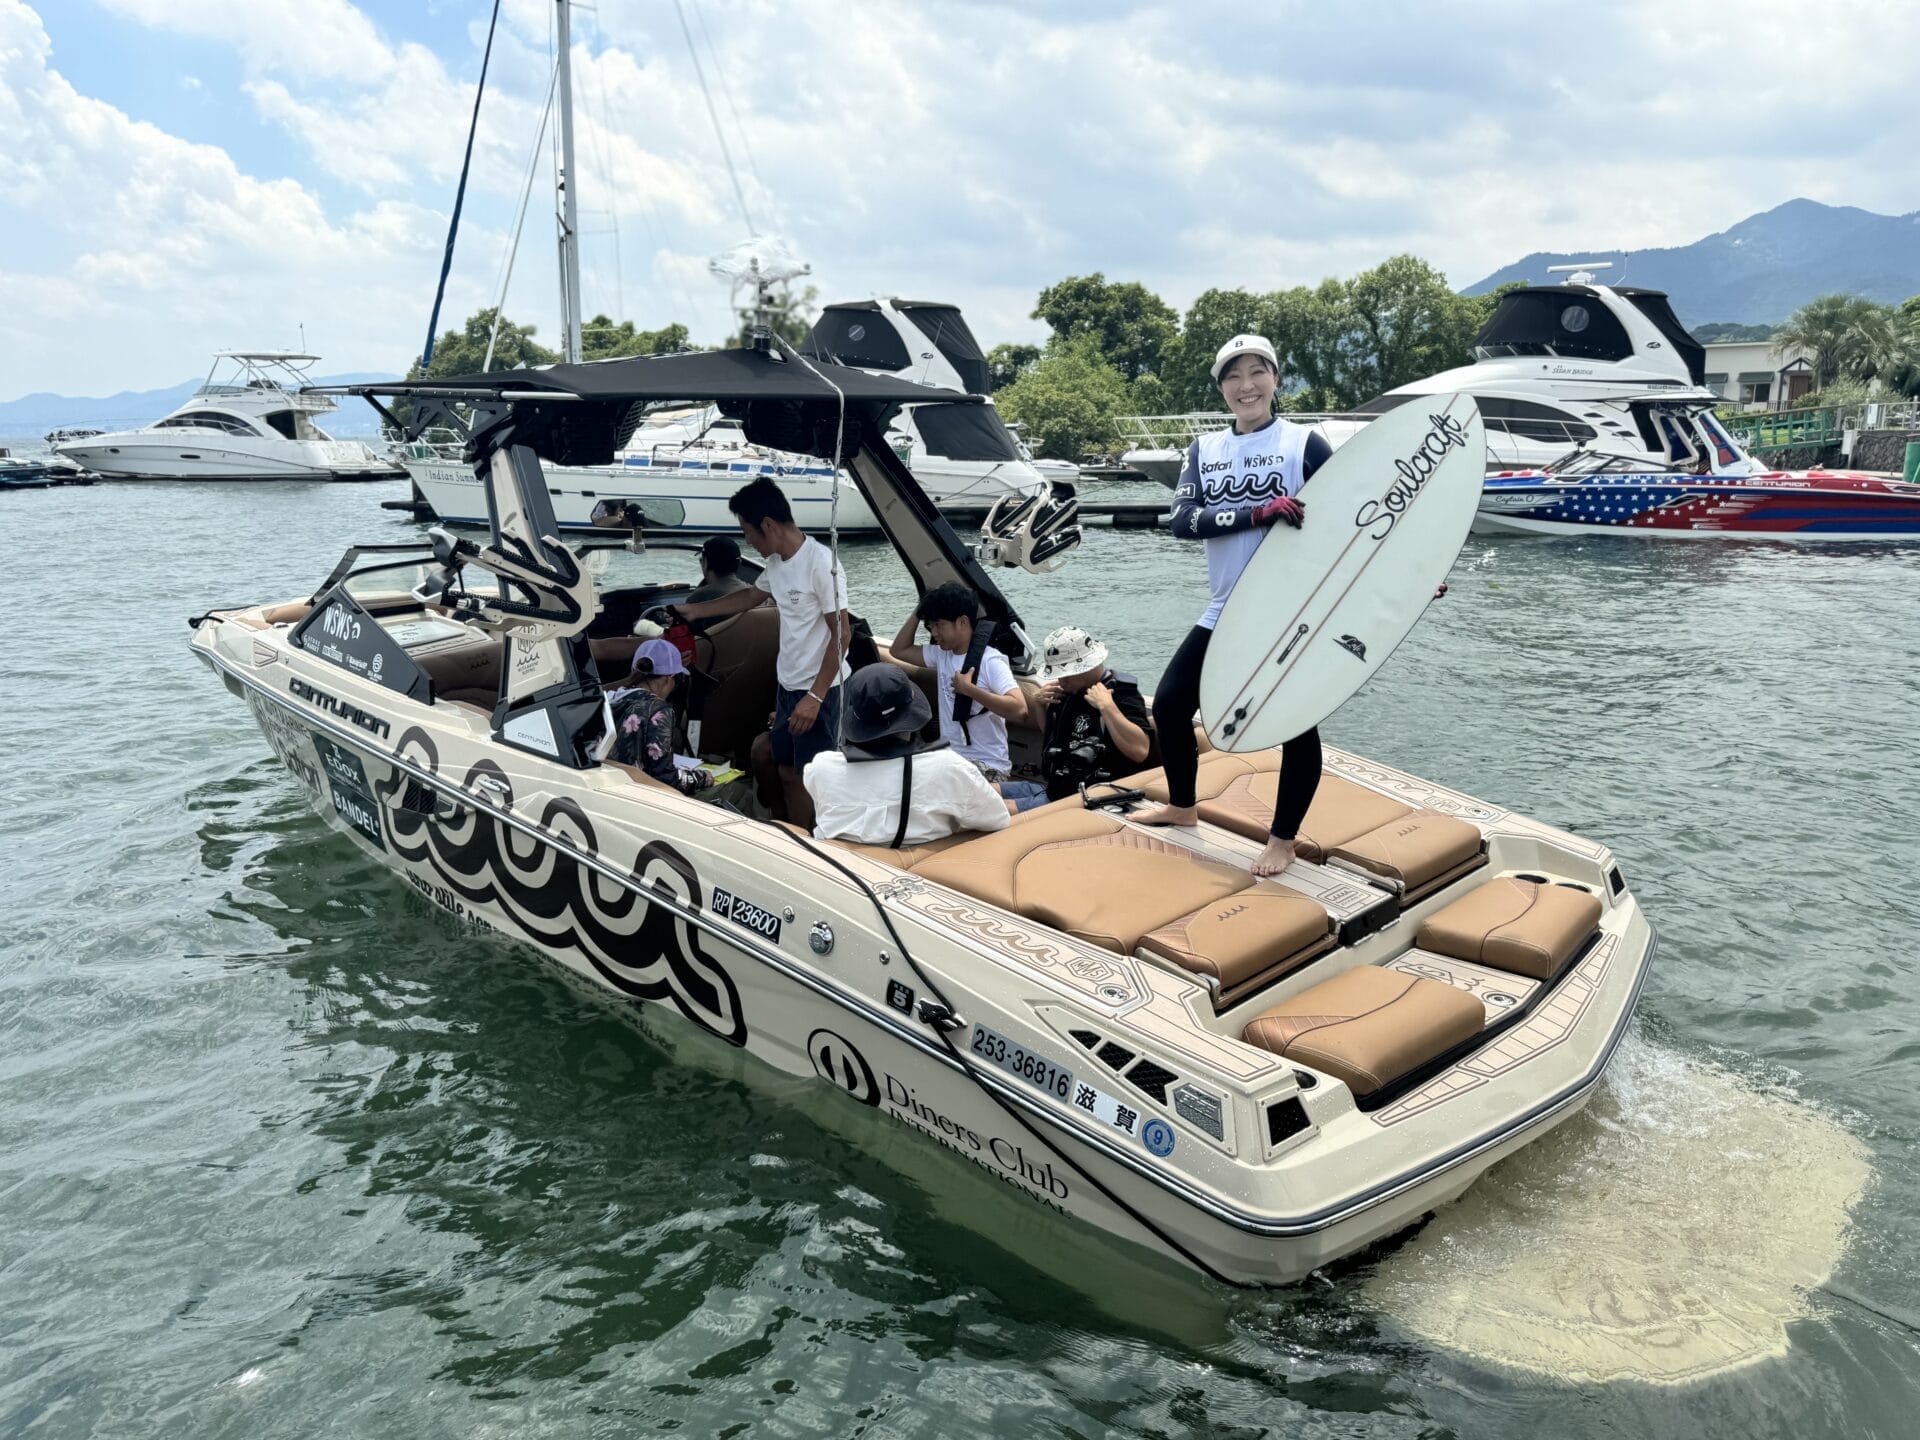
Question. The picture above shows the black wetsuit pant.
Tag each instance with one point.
(1176, 703)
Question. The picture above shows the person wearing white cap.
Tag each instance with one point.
(1235, 483)
(1092, 721)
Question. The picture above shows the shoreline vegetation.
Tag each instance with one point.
(1118, 349)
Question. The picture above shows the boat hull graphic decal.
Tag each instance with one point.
(643, 950)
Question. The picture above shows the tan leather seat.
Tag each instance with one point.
(739, 653)
(1087, 874)
(1513, 924)
(907, 856)
(1421, 850)
(1237, 793)
(613, 655)
(1369, 1026)
(1248, 939)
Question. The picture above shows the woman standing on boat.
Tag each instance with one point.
(1234, 484)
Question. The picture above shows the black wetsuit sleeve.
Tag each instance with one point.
(1317, 453)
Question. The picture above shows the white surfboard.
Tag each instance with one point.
(1319, 609)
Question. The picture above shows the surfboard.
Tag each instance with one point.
(1318, 610)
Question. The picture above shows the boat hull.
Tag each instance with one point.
(1818, 506)
(710, 919)
(184, 456)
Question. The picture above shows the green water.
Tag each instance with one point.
(283, 1153)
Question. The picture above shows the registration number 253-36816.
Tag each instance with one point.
(1036, 1070)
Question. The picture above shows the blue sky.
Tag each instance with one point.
(178, 176)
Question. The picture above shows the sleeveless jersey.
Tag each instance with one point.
(1236, 473)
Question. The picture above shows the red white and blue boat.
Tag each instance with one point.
(1707, 488)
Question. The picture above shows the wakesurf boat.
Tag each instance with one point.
(1685, 477)
(1121, 1025)
(1553, 367)
(252, 419)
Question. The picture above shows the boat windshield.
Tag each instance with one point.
(964, 432)
(1601, 462)
(1553, 320)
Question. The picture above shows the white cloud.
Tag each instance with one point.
(975, 152)
(176, 252)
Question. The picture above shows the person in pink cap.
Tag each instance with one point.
(643, 716)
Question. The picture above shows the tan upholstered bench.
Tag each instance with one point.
(1368, 1027)
(1513, 924)
(1246, 940)
(1084, 872)
(1237, 793)
(1420, 851)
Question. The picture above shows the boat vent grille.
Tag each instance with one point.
(1152, 1079)
(1285, 1119)
(1115, 1057)
(1085, 1037)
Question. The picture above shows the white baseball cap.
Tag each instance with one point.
(1244, 345)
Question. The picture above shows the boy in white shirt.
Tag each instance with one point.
(889, 787)
(976, 700)
(810, 588)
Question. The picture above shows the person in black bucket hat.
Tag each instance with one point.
(890, 786)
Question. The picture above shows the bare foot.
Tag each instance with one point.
(1166, 815)
(1275, 858)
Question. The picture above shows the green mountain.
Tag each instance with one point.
(1763, 269)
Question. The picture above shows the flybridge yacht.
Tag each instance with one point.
(252, 419)
(1557, 366)
(962, 454)
(965, 460)
(1249, 1076)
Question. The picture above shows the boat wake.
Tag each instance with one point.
(1671, 1232)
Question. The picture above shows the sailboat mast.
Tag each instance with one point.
(565, 183)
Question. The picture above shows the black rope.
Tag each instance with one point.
(967, 1069)
(460, 195)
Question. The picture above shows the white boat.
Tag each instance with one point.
(249, 420)
(1556, 367)
(1121, 1026)
(689, 461)
(963, 455)
(1157, 444)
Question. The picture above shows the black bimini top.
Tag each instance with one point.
(781, 403)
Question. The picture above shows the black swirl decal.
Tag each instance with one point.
(645, 950)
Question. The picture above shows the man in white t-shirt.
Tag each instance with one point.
(810, 588)
(889, 787)
(977, 699)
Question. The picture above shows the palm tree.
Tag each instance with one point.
(1841, 335)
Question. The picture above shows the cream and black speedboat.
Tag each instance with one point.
(1252, 1077)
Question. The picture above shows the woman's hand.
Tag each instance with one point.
(1282, 508)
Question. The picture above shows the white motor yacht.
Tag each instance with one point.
(252, 419)
(1122, 1026)
(681, 465)
(1555, 367)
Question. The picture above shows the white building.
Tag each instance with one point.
(1755, 375)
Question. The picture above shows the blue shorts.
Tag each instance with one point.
(797, 751)
(1025, 794)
